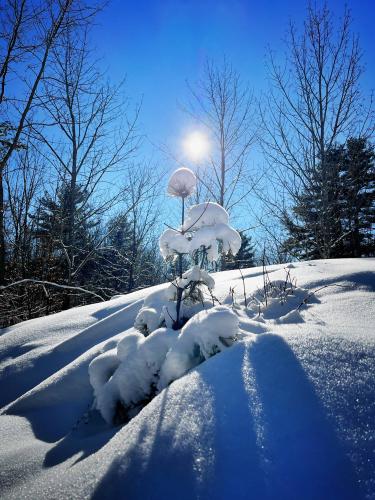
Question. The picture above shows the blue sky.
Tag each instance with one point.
(160, 44)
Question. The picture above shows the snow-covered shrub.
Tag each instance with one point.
(206, 226)
(159, 308)
(206, 334)
(276, 298)
(204, 234)
(154, 354)
(121, 395)
(126, 378)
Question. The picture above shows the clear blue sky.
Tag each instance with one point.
(159, 44)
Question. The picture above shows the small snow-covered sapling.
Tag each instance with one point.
(181, 185)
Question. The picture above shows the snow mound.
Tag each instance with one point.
(288, 411)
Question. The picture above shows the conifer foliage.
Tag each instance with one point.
(335, 216)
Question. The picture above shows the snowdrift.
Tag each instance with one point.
(288, 412)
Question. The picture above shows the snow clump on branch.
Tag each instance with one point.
(205, 214)
(182, 183)
(206, 225)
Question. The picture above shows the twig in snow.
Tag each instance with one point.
(244, 286)
(304, 302)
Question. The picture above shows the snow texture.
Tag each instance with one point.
(287, 412)
(182, 183)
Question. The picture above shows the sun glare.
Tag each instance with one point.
(196, 145)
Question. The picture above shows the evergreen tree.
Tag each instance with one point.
(334, 217)
(358, 185)
(244, 257)
(65, 235)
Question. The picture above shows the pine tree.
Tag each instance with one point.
(334, 217)
(358, 181)
(65, 235)
(314, 226)
(244, 257)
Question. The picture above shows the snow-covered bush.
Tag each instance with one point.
(206, 226)
(206, 334)
(159, 308)
(126, 378)
(133, 383)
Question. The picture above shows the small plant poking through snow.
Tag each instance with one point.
(177, 327)
(277, 299)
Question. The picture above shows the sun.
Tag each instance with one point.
(196, 145)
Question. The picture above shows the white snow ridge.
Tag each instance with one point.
(272, 400)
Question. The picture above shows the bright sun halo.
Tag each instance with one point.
(196, 145)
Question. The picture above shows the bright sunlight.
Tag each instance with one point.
(196, 145)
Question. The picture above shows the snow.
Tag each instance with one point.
(206, 225)
(141, 366)
(206, 334)
(210, 236)
(182, 183)
(288, 411)
(205, 214)
(172, 242)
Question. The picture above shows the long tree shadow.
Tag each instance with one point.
(86, 439)
(200, 444)
(301, 447)
(62, 354)
(150, 468)
(363, 279)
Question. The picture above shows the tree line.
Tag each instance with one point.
(80, 208)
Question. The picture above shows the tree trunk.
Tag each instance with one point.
(2, 230)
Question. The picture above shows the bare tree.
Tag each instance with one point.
(29, 32)
(89, 134)
(224, 105)
(314, 102)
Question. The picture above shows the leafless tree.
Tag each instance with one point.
(314, 102)
(89, 134)
(224, 106)
(30, 29)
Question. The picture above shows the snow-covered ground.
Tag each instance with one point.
(286, 413)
